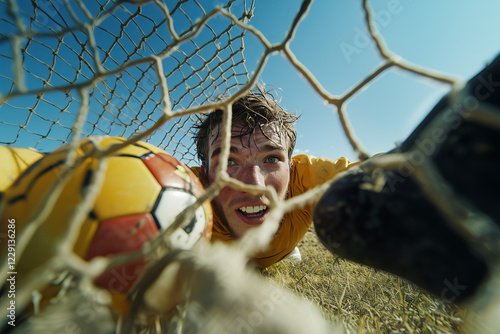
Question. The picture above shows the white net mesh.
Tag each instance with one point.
(109, 49)
(147, 70)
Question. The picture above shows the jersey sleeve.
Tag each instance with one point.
(309, 172)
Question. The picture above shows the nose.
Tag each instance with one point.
(252, 175)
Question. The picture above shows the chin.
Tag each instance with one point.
(241, 230)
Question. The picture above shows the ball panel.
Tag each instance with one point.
(172, 202)
(128, 188)
(137, 150)
(87, 231)
(14, 161)
(168, 171)
(117, 236)
(105, 141)
(42, 245)
(122, 234)
(87, 144)
(22, 185)
(25, 196)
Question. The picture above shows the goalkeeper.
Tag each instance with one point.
(262, 142)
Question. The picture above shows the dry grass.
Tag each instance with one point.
(363, 299)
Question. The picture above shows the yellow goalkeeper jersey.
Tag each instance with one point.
(307, 172)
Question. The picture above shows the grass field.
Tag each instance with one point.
(363, 299)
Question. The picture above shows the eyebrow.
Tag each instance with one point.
(265, 148)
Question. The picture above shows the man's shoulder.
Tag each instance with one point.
(305, 159)
(309, 171)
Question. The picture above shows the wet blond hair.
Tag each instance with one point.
(256, 110)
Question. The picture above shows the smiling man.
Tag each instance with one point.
(262, 142)
(259, 159)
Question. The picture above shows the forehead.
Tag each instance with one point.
(269, 133)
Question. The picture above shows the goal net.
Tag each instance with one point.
(112, 49)
(148, 70)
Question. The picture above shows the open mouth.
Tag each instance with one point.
(253, 211)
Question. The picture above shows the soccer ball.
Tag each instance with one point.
(143, 190)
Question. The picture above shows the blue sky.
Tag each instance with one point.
(453, 36)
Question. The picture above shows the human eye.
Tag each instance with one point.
(273, 159)
(230, 162)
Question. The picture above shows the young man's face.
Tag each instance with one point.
(259, 161)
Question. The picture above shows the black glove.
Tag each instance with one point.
(398, 229)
